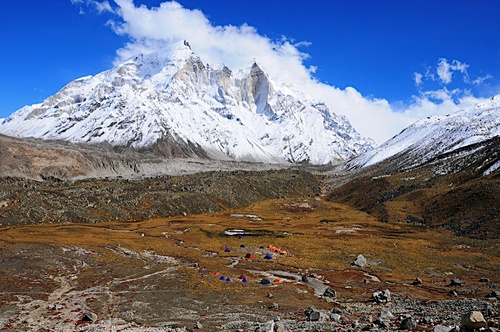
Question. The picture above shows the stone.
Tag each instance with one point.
(266, 327)
(456, 282)
(305, 279)
(312, 314)
(452, 293)
(494, 294)
(473, 320)
(280, 327)
(336, 311)
(274, 306)
(382, 296)
(198, 325)
(89, 317)
(360, 261)
(330, 292)
(335, 317)
(408, 324)
(441, 328)
(484, 280)
(417, 281)
(384, 314)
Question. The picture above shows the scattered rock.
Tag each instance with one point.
(441, 328)
(417, 281)
(408, 324)
(382, 296)
(360, 261)
(452, 293)
(484, 280)
(273, 306)
(330, 292)
(385, 315)
(280, 327)
(494, 294)
(198, 325)
(89, 317)
(270, 295)
(473, 320)
(456, 282)
(266, 327)
(336, 311)
(335, 317)
(313, 315)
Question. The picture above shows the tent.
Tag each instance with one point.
(265, 282)
(268, 256)
(244, 280)
(250, 256)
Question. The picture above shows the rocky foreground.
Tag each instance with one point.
(286, 264)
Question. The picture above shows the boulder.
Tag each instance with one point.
(494, 294)
(360, 261)
(335, 317)
(382, 296)
(280, 327)
(441, 328)
(89, 317)
(473, 320)
(386, 315)
(313, 314)
(266, 327)
(408, 324)
(456, 282)
(330, 292)
(417, 281)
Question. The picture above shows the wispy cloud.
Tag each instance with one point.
(445, 70)
(99, 6)
(150, 29)
(418, 78)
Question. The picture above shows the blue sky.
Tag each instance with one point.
(389, 63)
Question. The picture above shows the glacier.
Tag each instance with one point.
(173, 101)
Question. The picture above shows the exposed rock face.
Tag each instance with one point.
(172, 103)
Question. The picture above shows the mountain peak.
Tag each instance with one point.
(173, 103)
(437, 135)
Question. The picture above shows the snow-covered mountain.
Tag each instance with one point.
(173, 102)
(438, 135)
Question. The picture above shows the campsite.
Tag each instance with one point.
(197, 271)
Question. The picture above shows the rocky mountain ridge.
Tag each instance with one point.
(436, 136)
(172, 103)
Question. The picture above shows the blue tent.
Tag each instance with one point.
(244, 280)
(265, 282)
(268, 256)
(222, 278)
(228, 279)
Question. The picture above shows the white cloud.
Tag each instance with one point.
(445, 70)
(418, 78)
(481, 79)
(100, 6)
(150, 29)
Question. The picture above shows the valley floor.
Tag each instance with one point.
(165, 274)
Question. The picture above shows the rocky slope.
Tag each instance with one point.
(172, 103)
(437, 136)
